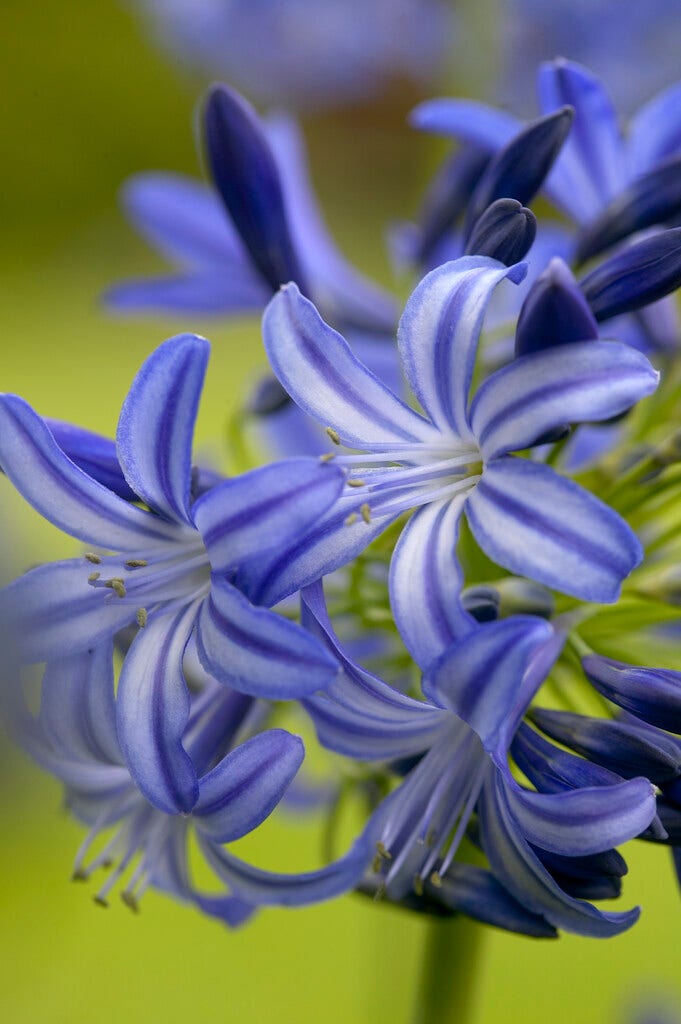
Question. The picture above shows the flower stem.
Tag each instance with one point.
(447, 986)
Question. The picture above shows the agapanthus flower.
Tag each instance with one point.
(175, 570)
(300, 55)
(257, 227)
(543, 848)
(457, 456)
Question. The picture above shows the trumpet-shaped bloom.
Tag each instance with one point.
(174, 568)
(457, 456)
(477, 693)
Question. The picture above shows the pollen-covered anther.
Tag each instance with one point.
(352, 518)
(141, 616)
(365, 512)
(383, 851)
(334, 435)
(327, 457)
(136, 563)
(130, 901)
(92, 557)
(436, 880)
(356, 482)
(79, 875)
(101, 902)
(377, 864)
(418, 885)
(93, 576)
(117, 585)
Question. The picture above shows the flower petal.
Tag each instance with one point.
(426, 582)
(247, 177)
(257, 651)
(489, 677)
(655, 130)
(156, 426)
(438, 335)
(248, 783)
(635, 276)
(63, 493)
(52, 612)
(319, 371)
(555, 312)
(264, 510)
(153, 710)
(583, 382)
(473, 891)
(215, 294)
(466, 119)
(535, 523)
(94, 454)
(653, 694)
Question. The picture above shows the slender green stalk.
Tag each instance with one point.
(449, 972)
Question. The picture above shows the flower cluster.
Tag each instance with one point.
(463, 571)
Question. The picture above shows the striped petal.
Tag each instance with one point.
(63, 493)
(439, 331)
(248, 783)
(426, 582)
(153, 710)
(535, 523)
(319, 371)
(583, 382)
(156, 425)
(264, 510)
(257, 651)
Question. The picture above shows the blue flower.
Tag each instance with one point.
(239, 781)
(523, 515)
(259, 227)
(175, 571)
(477, 692)
(302, 55)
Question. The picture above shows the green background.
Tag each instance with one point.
(87, 101)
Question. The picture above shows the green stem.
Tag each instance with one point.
(447, 987)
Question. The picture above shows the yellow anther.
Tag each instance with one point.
(356, 482)
(435, 880)
(377, 864)
(136, 563)
(352, 518)
(141, 616)
(327, 457)
(92, 557)
(365, 512)
(431, 835)
(334, 435)
(100, 901)
(130, 901)
(79, 875)
(418, 885)
(117, 585)
(383, 851)
(93, 576)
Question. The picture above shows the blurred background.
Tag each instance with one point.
(91, 94)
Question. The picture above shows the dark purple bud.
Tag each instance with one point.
(267, 397)
(447, 198)
(552, 770)
(481, 601)
(519, 169)
(246, 176)
(653, 694)
(623, 748)
(554, 312)
(477, 893)
(638, 275)
(505, 232)
(610, 864)
(654, 198)
(600, 887)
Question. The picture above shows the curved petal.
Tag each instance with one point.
(52, 612)
(271, 889)
(319, 371)
(520, 871)
(535, 523)
(183, 217)
(653, 694)
(345, 295)
(426, 582)
(230, 291)
(593, 158)
(473, 891)
(248, 783)
(490, 676)
(156, 425)
(77, 706)
(63, 493)
(583, 382)
(655, 131)
(94, 454)
(475, 122)
(264, 510)
(583, 821)
(257, 651)
(439, 331)
(153, 709)
(555, 312)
